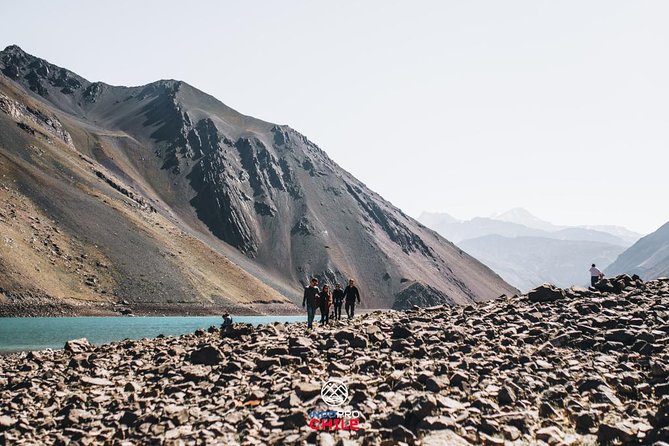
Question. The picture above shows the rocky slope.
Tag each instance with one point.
(78, 238)
(649, 257)
(555, 366)
(259, 194)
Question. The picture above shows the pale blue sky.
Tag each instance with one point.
(466, 107)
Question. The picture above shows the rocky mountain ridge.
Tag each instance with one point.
(284, 210)
(649, 257)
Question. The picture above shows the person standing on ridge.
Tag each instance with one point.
(595, 275)
(311, 300)
(338, 300)
(326, 301)
(351, 294)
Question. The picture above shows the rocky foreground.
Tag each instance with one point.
(555, 366)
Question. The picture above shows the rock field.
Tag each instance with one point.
(574, 367)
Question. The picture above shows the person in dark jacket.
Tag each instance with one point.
(311, 301)
(351, 294)
(338, 301)
(326, 301)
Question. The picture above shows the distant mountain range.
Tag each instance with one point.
(648, 257)
(162, 194)
(519, 222)
(527, 251)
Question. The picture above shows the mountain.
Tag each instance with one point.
(648, 257)
(184, 199)
(526, 262)
(458, 230)
(630, 237)
(523, 217)
(527, 251)
(591, 235)
(482, 226)
(434, 219)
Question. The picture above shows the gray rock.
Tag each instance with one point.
(609, 432)
(90, 380)
(207, 355)
(264, 363)
(294, 419)
(77, 346)
(307, 390)
(358, 342)
(436, 384)
(437, 423)
(545, 293)
(7, 421)
(551, 435)
(506, 396)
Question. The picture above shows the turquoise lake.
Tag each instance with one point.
(38, 333)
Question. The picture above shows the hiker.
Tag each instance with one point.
(227, 320)
(595, 275)
(338, 301)
(310, 300)
(351, 294)
(326, 301)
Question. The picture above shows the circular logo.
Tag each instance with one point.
(334, 392)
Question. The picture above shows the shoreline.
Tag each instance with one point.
(28, 334)
(84, 309)
(158, 310)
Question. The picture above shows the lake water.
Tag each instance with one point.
(37, 333)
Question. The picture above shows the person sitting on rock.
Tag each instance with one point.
(227, 320)
(311, 300)
(351, 294)
(326, 301)
(338, 301)
(595, 275)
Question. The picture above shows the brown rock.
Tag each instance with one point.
(77, 346)
(207, 355)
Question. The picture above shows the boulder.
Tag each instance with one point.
(609, 432)
(436, 384)
(296, 419)
(263, 363)
(7, 421)
(344, 336)
(506, 396)
(77, 346)
(661, 418)
(550, 434)
(236, 330)
(545, 293)
(307, 390)
(93, 381)
(206, 355)
(358, 341)
(401, 331)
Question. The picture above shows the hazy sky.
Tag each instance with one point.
(467, 107)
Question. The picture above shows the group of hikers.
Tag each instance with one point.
(330, 302)
(326, 300)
